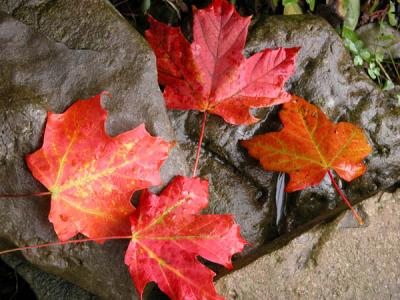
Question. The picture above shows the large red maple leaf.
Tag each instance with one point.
(211, 74)
(92, 176)
(168, 233)
(309, 145)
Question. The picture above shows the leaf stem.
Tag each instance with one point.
(66, 242)
(203, 125)
(356, 215)
(394, 65)
(26, 195)
(384, 71)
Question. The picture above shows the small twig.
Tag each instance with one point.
(203, 125)
(384, 71)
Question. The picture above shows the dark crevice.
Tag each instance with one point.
(13, 286)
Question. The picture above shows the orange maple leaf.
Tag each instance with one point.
(309, 145)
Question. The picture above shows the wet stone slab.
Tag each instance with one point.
(338, 260)
(325, 76)
(51, 54)
(54, 52)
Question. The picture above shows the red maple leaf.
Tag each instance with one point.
(309, 145)
(168, 233)
(92, 176)
(211, 74)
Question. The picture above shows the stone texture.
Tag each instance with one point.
(325, 76)
(45, 286)
(12, 284)
(230, 192)
(375, 36)
(52, 53)
(339, 260)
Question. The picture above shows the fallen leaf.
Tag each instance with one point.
(168, 233)
(309, 145)
(211, 74)
(92, 176)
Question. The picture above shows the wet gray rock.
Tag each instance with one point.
(12, 284)
(52, 53)
(325, 76)
(338, 260)
(385, 38)
(232, 193)
(44, 285)
(238, 184)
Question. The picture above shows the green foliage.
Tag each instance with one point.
(373, 70)
(388, 85)
(363, 57)
(291, 7)
(352, 13)
(144, 7)
(311, 3)
(349, 10)
(392, 15)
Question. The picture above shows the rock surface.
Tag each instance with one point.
(51, 54)
(45, 286)
(376, 37)
(326, 76)
(12, 284)
(338, 260)
(230, 192)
